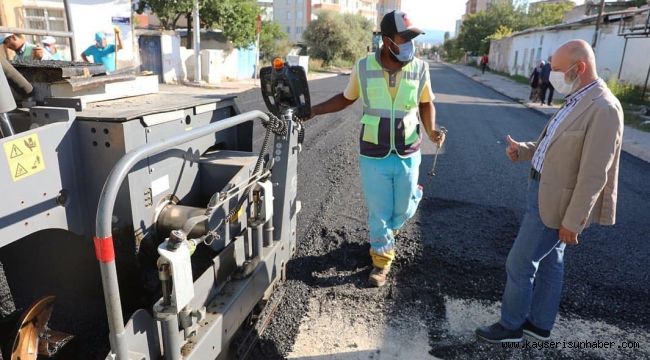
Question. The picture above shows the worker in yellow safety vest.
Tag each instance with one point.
(394, 87)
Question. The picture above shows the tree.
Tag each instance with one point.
(359, 31)
(334, 36)
(236, 18)
(503, 19)
(478, 27)
(168, 12)
(547, 14)
(447, 36)
(273, 41)
(502, 32)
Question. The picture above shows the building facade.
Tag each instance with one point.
(386, 6)
(521, 52)
(293, 16)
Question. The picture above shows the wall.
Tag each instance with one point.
(609, 52)
(170, 46)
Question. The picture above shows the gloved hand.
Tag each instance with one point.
(437, 137)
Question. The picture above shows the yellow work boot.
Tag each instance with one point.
(378, 276)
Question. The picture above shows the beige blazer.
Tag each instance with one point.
(580, 176)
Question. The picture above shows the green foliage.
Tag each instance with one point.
(478, 27)
(236, 18)
(626, 93)
(452, 50)
(502, 32)
(359, 31)
(547, 14)
(338, 37)
(168, 12)
(502, 19)
(273, 41)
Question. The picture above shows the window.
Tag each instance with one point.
(299, 15)
(289, 15)
(289, 30)
(289, 2)
(299, 30)
(46, 19)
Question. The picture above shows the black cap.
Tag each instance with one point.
(397, 22)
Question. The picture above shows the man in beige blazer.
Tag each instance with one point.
(573, 183)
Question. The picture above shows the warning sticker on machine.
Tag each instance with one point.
(24, 156)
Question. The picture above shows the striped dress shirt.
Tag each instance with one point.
(571, 102)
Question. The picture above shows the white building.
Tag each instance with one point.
(386, 6)
(519, 53)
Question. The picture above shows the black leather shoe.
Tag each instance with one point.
(536, 333)
(496, 333)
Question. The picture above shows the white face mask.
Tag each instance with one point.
(559, 82)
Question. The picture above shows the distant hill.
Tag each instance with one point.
(431, 36)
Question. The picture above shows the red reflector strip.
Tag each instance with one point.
(104, 249)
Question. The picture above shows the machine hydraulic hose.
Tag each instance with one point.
(16, 80)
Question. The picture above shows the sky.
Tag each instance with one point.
(438, 14)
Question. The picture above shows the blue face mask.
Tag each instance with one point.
(406, 51)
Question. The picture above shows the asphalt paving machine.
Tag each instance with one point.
(192, 229)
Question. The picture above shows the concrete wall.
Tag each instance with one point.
(170, 47)
(513, 55)
(217, 66)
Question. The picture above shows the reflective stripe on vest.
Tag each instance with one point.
(390, 124)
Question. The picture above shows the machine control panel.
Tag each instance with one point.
(285, 87)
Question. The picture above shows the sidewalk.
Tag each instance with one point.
(635, 142)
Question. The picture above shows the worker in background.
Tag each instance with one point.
(394, 88)
(49, 44)
(23, 49)
(545, 84)
(102, 52)
(484, 63)
(533, 81)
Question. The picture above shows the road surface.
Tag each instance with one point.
(450, 270)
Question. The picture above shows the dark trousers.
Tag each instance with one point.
(542, 93)
(483, 67)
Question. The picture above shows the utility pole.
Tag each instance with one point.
(600, 17)
(197, 43)
(258, 31)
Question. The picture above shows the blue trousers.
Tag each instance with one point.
(392, 197)
(535, 270)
